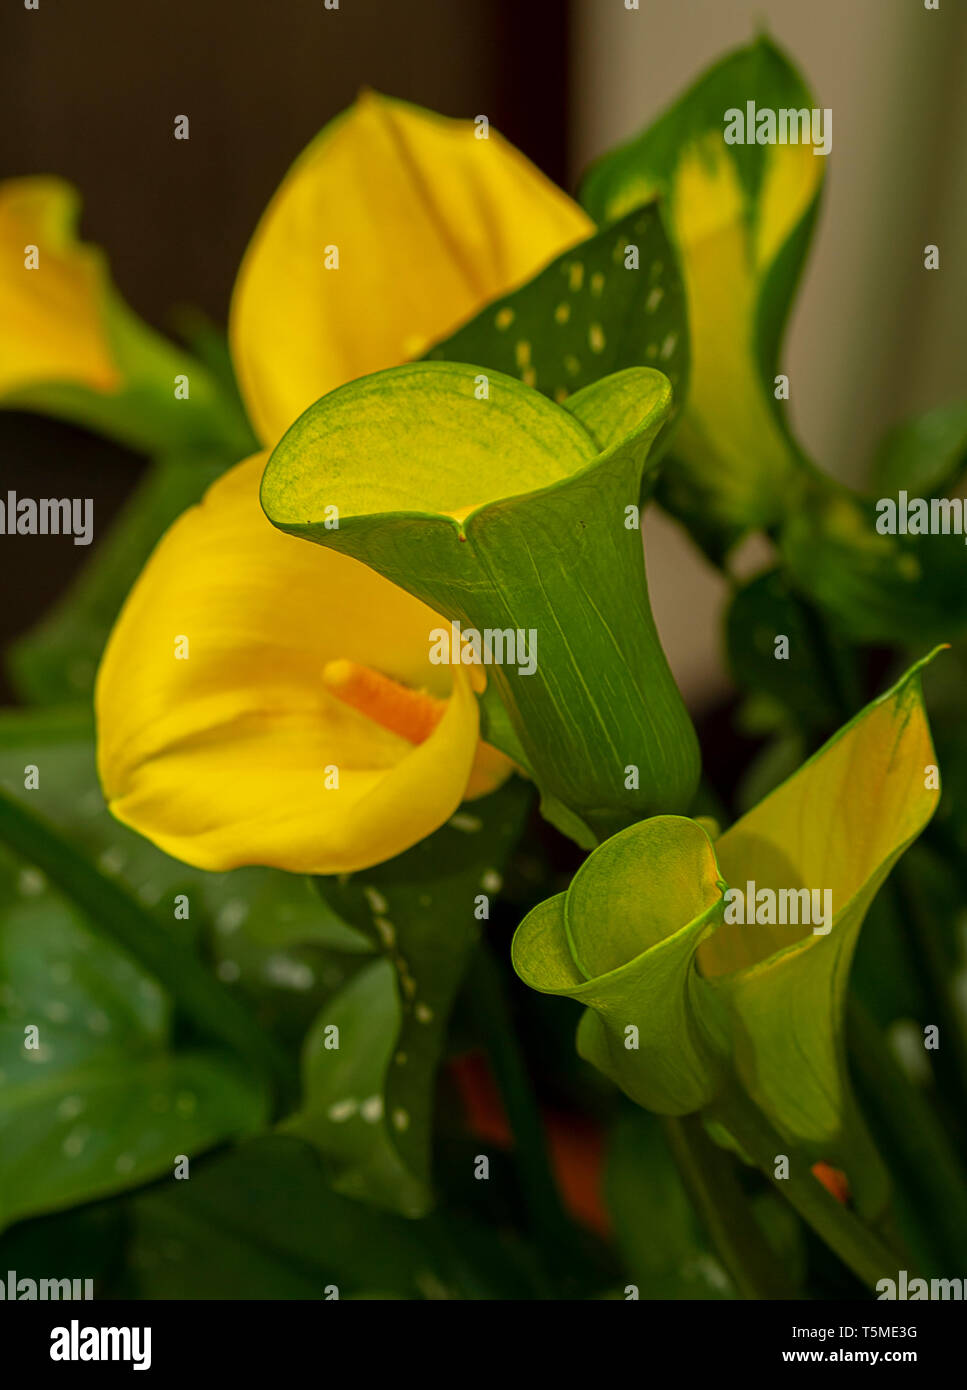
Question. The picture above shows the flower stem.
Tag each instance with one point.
(865, 1254)
(488, 1002)
(708, 1175)
(921, 1156)
(925, 951)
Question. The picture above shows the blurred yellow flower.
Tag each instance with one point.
(53, 292)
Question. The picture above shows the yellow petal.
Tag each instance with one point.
(491, 768)
(52, 317)
(729, 414)
(221, 756)
(429, 223)
(837, 823)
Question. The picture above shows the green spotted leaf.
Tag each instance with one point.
(368, 1103)
(614, 301)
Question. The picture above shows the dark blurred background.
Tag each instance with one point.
(90, 90)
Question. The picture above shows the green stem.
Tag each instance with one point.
(922, 1160)
(928, 961)
(835, 661)
(865, 1254)
(488, 1002)
(121, 918)
(708, 1174)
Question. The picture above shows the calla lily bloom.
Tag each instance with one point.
(51, 293)
(681, 995)
(300, 723)
(392, 227)
(71, 347)
(262, 703)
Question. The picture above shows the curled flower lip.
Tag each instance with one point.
(622, 941)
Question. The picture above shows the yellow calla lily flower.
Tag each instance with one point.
(392, 227)
(262, 701)
(52, 292)
(724, 265)
(71, 347)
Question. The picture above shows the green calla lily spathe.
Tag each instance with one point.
(507, 512)
(681, 1000)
